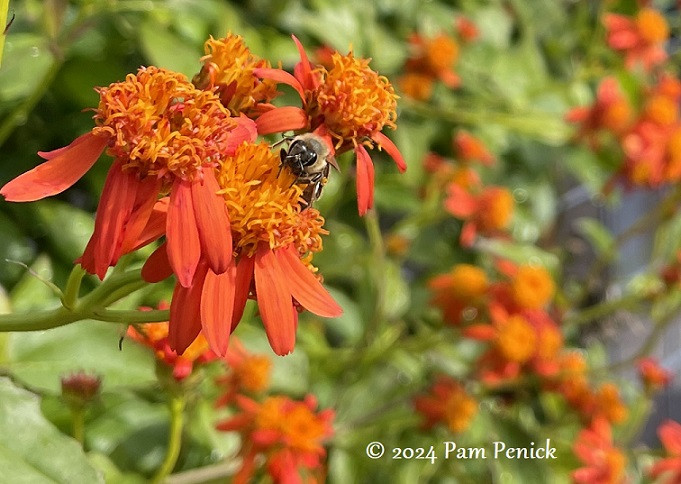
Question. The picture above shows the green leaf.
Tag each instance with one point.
(31, 449)
(41, 358)
(166, 49)
(396, 290)
(67, 227)
(26, 60)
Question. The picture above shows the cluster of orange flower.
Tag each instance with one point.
(288, 434)
(188, 166)
(648, 133)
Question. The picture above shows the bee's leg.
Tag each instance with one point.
(282, 140)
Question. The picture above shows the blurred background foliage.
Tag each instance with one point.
(533, 61)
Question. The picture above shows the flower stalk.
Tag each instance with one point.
(176, 406)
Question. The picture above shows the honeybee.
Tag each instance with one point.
(309, 158)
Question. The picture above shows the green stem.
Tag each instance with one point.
(131, 316)
(546, 126)
(73, 287)
(78, 424)
(176, 407)
(4, 7)
(378, 268)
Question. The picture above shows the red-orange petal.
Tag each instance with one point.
(145, 199)
(365, 180)
(274, 301)
(157, 266)
(212, 222)
(184, 246)
(48, 155)
(58, 173)
(115, 208)
(278, 120)
(303, 68)
(217, 307)
(386, 143)
(244, 277)
(305, 287)
(245, 130)
(468, 233)
(185, 313)
(459, 202)
(156, 225)
(280, 76)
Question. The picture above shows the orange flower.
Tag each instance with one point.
(248, 372)
(516, 339)
(288, 433)
(640, 38)
(463, 287)
(609, 405)
(348, 103)
(447, 402)
(416, 85)
(164, 135)
(532, 287)
(603, 462)
(669, 468)
(611, 111)
(155, 336)
(273, 240)
(470, 148)
(434, 58)
(489, 212)
(467, 29)
(228, 71)
(653, 376)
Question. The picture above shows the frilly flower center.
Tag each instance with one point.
(264, 203)
(160, 124)
(354, 101)
(228, 69)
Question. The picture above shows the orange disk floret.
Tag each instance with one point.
(516, 339)
(495, 207)
(228, 71)
(354, 101)
(532, 287)
(159, 123)
(441, 52)
(264, 203)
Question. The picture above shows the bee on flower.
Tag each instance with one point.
(347, 103)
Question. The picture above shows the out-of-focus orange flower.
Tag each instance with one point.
(669, 468)
(640, 38)
(609, 405)
(416, 85)
(488, 212)
(289, 434)
(516, 339)
(155, 336)
(532, 287)
(603, 462)
(448, 403)
(348, 103)
(249, 373)
(228, 71)
(469, 148)
(467, 29)
(653, 376)
(464, 286)
(611, 112)
(432, 58)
